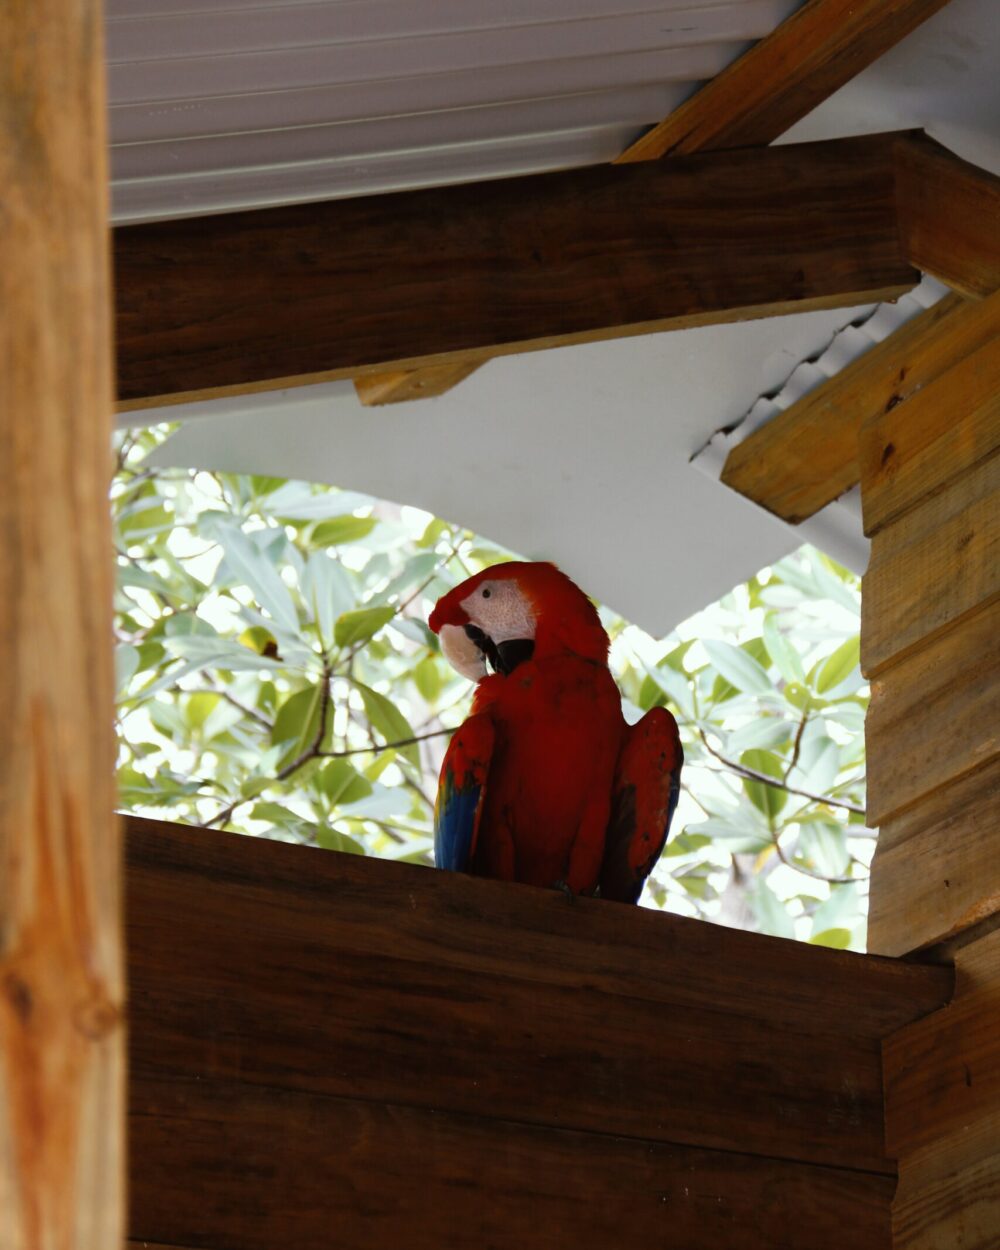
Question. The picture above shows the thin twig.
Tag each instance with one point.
(796, 746)
(377, 747)
(753, 775)
(808, 872)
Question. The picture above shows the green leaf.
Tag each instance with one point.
(126, 665)
(389, 721)
(297, 722)
(340, 782)
(327, 588)
(839, 666)
(675, 686)
(783, 655)
(252, 568)
(767, 799)
(737, 667)
(343, 529)
(216, 652)
(361, 624)
(766, 732)
(334, 840)
(837, 939)
(772, 915)
(428, 679)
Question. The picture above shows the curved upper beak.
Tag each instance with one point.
(461, 652)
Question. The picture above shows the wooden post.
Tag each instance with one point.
(61, 1037)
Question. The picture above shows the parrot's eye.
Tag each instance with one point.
(486, 593)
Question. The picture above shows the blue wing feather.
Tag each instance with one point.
(461, 791)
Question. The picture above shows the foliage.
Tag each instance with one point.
(276, 677)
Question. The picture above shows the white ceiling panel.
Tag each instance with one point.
(238, 103)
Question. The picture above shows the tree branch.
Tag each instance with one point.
(753, 775)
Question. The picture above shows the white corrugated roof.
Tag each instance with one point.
(229, 104)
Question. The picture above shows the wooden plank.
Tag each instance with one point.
(943, 1113)
(61, 1046)
(813, 53)
(237, 984)
(409, 384)
(489, 927)
(218, 1164)
(221, 304)
(933, 567)
(936, 870)
(950, 216)
(807, 456)
(948, 426)
(934, 716)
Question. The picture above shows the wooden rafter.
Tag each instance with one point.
(950, 225)
(786, 75)
(224, 304)
(750, 104)
(949, 215)
(807, 456)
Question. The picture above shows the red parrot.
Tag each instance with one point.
(545, 783)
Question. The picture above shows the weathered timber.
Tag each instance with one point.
(467, 923)
(399, 388)
(950, 216)
(943, 1113)
(936, 869)
(280, 1168)
(946, 427)
(813, 53)
(330, 1047)
(807, 456)
(223, 304)
(934, 566)
(61, 1044)
(934, 715)
(219, 982)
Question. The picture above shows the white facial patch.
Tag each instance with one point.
(461, 652)
(500, 610)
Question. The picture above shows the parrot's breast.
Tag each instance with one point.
(559, 730)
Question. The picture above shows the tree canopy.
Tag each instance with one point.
(276, 677)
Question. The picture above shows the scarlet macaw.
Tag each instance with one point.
(545, 783)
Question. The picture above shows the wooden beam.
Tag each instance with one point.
(221, 305)
(398, 388)
(786, 75)
(950, 216)
(61, 1037)
(807, 456)
(325, 1041)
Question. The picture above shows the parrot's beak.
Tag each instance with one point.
(461, 652)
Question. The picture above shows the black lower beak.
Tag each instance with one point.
(502, 657)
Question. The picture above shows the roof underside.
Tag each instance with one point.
(580, 454)
(243, 103)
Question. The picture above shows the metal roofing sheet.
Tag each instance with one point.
(240, 103)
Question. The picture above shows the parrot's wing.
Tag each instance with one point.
(646, 788)
(461, 791)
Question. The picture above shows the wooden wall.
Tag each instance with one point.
(334, 1051)
(931, 647)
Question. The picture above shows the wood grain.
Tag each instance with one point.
(813, 53)
(936, 869)
(410, 384)
(220, 304)
(934, 566)
(226, 982)
(948, 426)
(285, 1169)
(934, 716)
(402, 911)
(807, 456)
(61, 1044)
(943, 1113)
(949, 216)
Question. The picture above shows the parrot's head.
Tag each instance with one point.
(511, 612)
